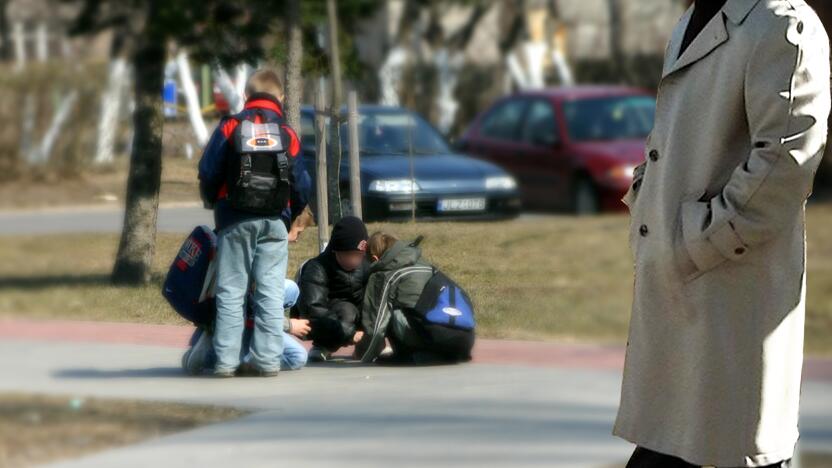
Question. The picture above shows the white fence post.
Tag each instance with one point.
(41, 42)
(110, 106)
(19, 38)
(58, 119)
(191, 98)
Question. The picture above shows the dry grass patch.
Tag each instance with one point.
(38, 429)
(557, 277)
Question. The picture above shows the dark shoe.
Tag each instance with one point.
(317, 354)
(248, 369)
(269, 373)
(223, 374)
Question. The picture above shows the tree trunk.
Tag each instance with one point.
(334, 162)
(616, 38)
(5, 37)
(294, 80)
(138, 236)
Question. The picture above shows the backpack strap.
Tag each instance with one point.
(283, 165)
(384, 304)
(282, 160)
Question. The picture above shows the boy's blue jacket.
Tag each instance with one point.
(214, 163)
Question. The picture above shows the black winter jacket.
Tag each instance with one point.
(323, 282)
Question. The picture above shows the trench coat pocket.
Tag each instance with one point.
(629, 198)
(695, 254)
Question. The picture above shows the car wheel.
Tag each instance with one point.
(585, 198)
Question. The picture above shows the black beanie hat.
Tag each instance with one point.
(349, 233)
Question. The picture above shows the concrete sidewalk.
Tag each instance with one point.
(553, 411)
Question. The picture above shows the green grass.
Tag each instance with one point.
(556, 278)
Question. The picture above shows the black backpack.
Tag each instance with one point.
(258, 172)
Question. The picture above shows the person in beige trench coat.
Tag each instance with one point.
(715, 350)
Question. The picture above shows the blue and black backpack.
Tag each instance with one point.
(185, 286)
(445, 314)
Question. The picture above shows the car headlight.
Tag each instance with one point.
(621, 172)
(500, 183)
(395, 186)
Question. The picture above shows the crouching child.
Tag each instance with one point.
(201, 358)
(332, 289)
(426, 317)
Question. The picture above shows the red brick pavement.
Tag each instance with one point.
(529, 353)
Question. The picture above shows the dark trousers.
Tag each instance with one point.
(336, 327)
(644, 458)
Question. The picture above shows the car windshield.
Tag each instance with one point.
(384, 133)
(610, 118)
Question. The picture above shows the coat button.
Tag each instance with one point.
(739, 250)
(654, 155)
(643, 230)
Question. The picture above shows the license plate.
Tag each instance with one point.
(461, 204)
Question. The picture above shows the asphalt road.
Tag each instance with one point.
(103, 219)
(109, 219)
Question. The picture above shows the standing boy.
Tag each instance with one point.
(247, 175)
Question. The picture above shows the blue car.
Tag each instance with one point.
(404, 159)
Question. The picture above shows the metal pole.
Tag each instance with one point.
(320, 173)
(355, 168)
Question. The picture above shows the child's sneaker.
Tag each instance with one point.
(317, 354)
(387, 352)
(193, 362)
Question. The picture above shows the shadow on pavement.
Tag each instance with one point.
(90, 373)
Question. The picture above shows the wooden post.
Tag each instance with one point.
(411, 167)
(205, 87)
(334, 169)
(355, 168)
(320, 173)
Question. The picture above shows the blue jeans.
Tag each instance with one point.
(294, 354)
(254, 250)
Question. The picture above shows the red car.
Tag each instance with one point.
(570, 148)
